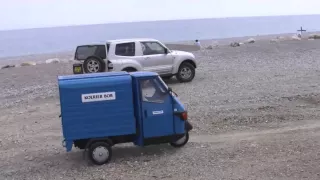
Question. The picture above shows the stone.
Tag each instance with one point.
(275, 40)
(250, 40)
(235, 44)
(29, 158)
(28, 64)
(314, 36)
(8, 66)
(295, 37)
(209, 47)
(281, 38)
(54, 60)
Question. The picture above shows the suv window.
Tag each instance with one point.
(125, 49)
(151, 92)
(149, 48)
(83, 52)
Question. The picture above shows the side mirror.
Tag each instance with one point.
(171, 91)
(166, 51)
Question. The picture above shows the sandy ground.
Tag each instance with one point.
(255, 111)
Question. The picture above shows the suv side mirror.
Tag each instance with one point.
(166, 51)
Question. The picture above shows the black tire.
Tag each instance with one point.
(178, 144)
(186, 72)
(189, 126)
(105, 150)
(129, 69)
(94, 65)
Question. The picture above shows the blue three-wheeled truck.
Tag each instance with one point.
(99, 110)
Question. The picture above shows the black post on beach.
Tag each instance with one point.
(301, 30)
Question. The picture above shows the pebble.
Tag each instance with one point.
(29, 158)
(229, 87)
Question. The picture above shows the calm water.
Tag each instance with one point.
(47, 40)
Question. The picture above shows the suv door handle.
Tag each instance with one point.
(146, 58)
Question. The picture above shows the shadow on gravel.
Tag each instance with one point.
(134, 151)
(313, 98)
(120, 154)
(172, 80)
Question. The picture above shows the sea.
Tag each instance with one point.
(58, 39)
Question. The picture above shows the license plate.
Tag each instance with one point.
(77, 69)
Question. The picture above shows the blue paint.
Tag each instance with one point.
(96, 119)
(157, 118)
(178, 124)
(69, 144)
(125, 114)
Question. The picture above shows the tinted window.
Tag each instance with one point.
(151, 92)
(83, 52)
(149, 48)
(125, 49)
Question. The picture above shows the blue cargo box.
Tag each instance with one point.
(96, 105)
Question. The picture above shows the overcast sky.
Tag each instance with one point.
(16, 14)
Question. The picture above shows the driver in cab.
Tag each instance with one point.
(150, 91)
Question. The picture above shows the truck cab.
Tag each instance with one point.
(141, 54)
(100, 110)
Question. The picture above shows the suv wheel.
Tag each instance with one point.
(186, 72)
(94, 65)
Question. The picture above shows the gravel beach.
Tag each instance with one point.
(255, 111)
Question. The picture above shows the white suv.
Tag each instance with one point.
(135, 55)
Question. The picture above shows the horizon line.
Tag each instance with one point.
(162, 20)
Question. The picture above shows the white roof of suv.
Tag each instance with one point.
(130, 40)
(120, 41)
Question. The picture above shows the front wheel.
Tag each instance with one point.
(100, 153)
(186, 72)
(181, 142)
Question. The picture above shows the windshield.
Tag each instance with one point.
(83, 52)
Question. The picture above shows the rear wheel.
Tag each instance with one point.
(181, 142)
(94, 65)
(100, 153)
(186, 72)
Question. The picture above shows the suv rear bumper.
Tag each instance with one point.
(78, 68)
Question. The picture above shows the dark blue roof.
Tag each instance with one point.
(106, 74)
(92, 75)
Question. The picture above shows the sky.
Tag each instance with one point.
(21, 14)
